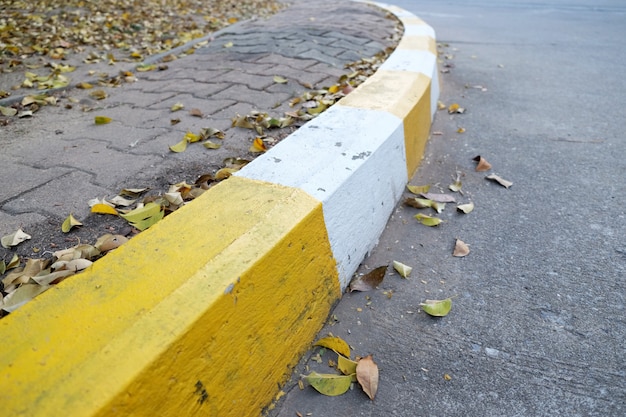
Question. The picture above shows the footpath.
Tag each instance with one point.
(207, 312)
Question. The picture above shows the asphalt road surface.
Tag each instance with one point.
(538, 322)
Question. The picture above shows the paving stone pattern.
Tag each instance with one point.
(53, 163)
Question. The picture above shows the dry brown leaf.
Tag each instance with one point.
(196, 112)
(461, 249)
(367, 375)
(482, 165)
(369, 281)
(499, 180)
(439, 198)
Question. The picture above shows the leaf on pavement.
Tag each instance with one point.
(69, 223)
(335, 344)
(180, 146)
(437, 308)
(257, 146)
(466, 208)
(280, 80)
(439, 197)
(369, 281)
(461, 249)
(455, 108)
(403, 270)
(499, 180)
(14, 239)
(367, 375)
(329, 384)
(144, 217)
(482, 164)
(418, 189)
(102, 120)
(102, 208)
(419, 203)
(109, 242)
(21, 296)
(196, 112)
(428, 220)
(347, 366)
(211, 145)
(8, 111)
(177, 107)
(98, 94)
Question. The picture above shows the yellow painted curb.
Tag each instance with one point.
(405, 95)
(202, 315)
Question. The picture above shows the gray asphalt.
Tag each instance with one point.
(538, 323)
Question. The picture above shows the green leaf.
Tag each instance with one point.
(280, 80)
(102, 120)
(437, 308)
(418, 189)
(144, 217)
(336, 344)
(329, 384)
(403, 270)
(180, 146)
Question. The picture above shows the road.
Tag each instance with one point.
(538, 322)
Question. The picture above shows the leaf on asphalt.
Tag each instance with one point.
(403, 270)
(211, 145)
(224, 173)
(196, 112)
(55, 277)
(14, 239)
(133, 192)
(437, 308)
(460, 130)
(208, 132)
(69, 223)
(367, 375)
(177, 107)
(118, 200)
(109, 242)
(335, 344)
(428, 220)
(84, 86)
(329, 384)
(102, 120)
(369, 281)
(102, 208)
(347, 366)
(482, 164)
(21, 296)
(461, 249)
(419, 203)
(98, 94)
(466, 208)
(257, 146)
(455, 108)
(455, 186)
(499, 180)
(280, 80)
(14, 262)
(441, 105)
(8, 111)
(144, 217)
(180, 146)
(228, 45)
(439, 198)
(418, 189)
(242, 121)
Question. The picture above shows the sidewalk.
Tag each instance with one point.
(207, 312)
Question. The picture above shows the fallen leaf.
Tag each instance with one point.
(14, 262)
(455, 186)
(455, 108)
(228, 45)
(102, 120)
(109, 242)
(368, 281)
(499, 180)
(280, 80)
(118, 200)
(329, 384)
(403, 270)
(347, 366)
(437, 308)
(144, 217)
(84, 86)
(70, 222)
(14, 239)
(8, 111)
(195, 112)
(367, 375)
(466, 208)
(336, 344)
(428, 220)
(482, 165)
(440, 198)
(177, 107)
(180, 146)
(419, 203)
(418, 189)
(461, 249)
(257, 146)
(103, 209)
(21, 296)
(98, 94)
(211, 145)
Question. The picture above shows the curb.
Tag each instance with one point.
(207, 312)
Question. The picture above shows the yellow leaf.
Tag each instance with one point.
(211, 145)
(70, 222)
(180, 146)
(257, 146)
(102, 120)
(102, 208)
(346, 366)
(437, 308)
(144, 217)
(428, 220)
(418, 189)
(191, 137)
(98, 94)
(333, 89)
(84, 86)
(329, 384)
(367, 375)
(177, 106)
(336, 344)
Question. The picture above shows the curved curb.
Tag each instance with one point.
(205, 313)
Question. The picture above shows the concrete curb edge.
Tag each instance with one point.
(207, 312)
